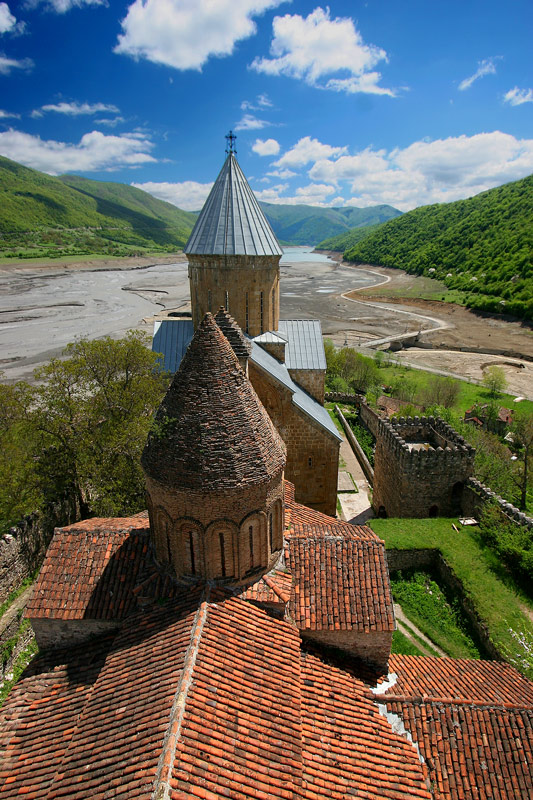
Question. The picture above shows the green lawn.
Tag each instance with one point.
(496, 598)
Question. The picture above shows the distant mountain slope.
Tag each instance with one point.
(346, 240)
(45, 216)
(304, 224)
(483, 246)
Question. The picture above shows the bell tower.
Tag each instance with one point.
(233, 254)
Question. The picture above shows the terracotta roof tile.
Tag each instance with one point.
(275, 587)
(302, 520)
(211, 431)
(91, 569)
(241, 346)
(349, 748)
(459, 680)
(39, 717)
(339, 584)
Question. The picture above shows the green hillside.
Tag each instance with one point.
(482, 246)
(301, 224)
(43, 216)
(346, 240)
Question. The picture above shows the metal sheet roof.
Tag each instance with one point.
(301, 399)
(271, 337)
(305, 348)
(172, 337)
(232, 221)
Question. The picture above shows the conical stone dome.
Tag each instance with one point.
(211, 432)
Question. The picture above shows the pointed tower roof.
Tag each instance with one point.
(211, 432)
(242, 347)
(232, 221)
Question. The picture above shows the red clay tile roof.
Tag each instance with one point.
(302, 520)
(40, 715)
(211, 431)
(275, 587)
(90, 570)
(349, 749)
(460, 680)
(339, 584)
(472, 721)
(242, 347)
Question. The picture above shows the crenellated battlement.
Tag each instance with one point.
(421, 465)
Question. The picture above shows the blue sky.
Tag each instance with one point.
(351, 103)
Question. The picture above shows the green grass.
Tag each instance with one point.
(19, 666)
(495, 596)
(404, 646)
(427, 606)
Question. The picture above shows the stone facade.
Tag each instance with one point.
(312, 452)
(312, 380)
(229, 536)
(246, 286)
(420, 468)
(52, 633)
(373, 648)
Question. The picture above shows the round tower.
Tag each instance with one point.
(214, 469)
(234, 255)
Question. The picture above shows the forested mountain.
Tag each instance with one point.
(483, 246)
(311, 224)
(45, 216)
(343, 241)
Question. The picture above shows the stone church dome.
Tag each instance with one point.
(211, 431)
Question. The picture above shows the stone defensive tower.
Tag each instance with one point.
(234, 255)
(421, 466)
(214, 469)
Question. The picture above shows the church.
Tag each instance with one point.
(234, 258)
(233, 643)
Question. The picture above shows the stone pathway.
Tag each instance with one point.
(355, 506)
(408, 628)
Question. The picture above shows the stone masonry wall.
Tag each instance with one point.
(312, 453)
(373, 648)
(64, 633)
(251, 284)
(476, 496)
(420, 483)
(22, 551)
(312, 380)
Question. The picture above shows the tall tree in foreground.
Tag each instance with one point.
(91, 413)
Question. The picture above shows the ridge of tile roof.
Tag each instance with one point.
(231, 221)
(305, 522)
(240, 344)
(339, 584)
(211, 432)
(274, 587)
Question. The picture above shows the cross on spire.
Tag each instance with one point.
(230, 143)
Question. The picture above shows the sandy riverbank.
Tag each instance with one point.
(39, 265)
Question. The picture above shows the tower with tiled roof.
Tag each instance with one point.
(234, 255)
(214, 469)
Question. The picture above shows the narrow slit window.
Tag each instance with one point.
(271, 532)
(261, 310)
(251, 540)
(273, 307)
(209, 300)
(247, 313)
(191, 551)
(222, 554)
(227, 301)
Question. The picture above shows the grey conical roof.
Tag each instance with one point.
(232, 221)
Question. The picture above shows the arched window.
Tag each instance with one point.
(253, 543)
(187, 554)
(162, 536)
(220, 540)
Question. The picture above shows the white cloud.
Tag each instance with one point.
(7, 20)
(313, 195)
(188, 195)
(262, 101)
(251, 123)
(95, 151)
(317, 46)
(185, 33)
(485, 67)
(112, 123)
(429, 172)
(62, 6)
(282, 173)
(9, 64)
(516, 96)
(77, 109)
(307, 150)
(8, 114)
(266, 147)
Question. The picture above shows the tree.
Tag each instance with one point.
(91, 413)
(494, 380)
(441, 391)
(522, 431)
